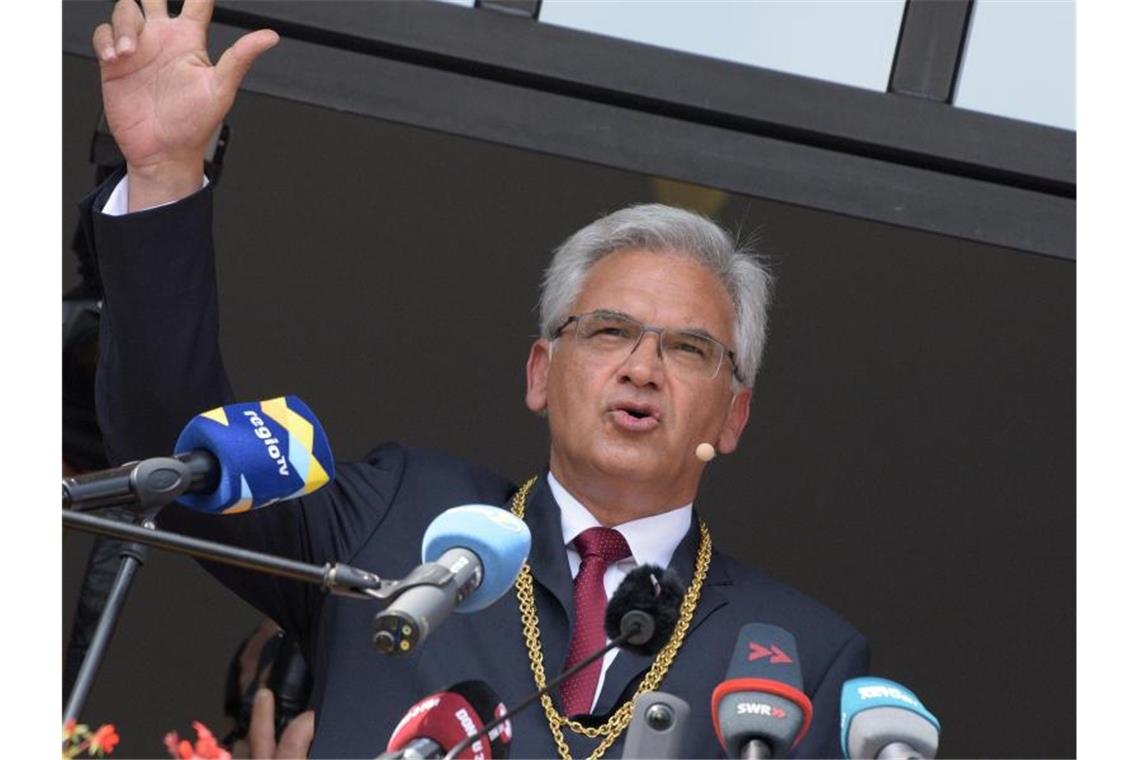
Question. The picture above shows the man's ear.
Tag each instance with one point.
(537, 370)
(735, 422)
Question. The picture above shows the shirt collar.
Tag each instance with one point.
(652, 539)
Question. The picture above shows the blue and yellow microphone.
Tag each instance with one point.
(266, 451)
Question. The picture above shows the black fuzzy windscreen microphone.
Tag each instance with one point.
(650, 596)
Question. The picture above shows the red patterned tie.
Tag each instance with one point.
(599, 548)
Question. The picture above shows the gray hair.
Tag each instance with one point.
(665, 229)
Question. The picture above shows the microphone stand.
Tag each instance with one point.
(337, 578)
(133, 555)
(146, 486)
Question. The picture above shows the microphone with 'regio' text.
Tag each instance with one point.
(471, 556)
(882, 719)
(760, 710)
(229, 459)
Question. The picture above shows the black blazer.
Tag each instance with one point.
(161, 301)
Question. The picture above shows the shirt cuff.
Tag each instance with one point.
(117, 205)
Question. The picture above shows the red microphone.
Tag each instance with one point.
(444, 719)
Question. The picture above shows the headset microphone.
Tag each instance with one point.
(705, 452)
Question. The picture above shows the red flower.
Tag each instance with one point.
(104, 739)
(171, 742)
(206, 748)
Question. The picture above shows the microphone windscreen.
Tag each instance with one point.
(497, 537)
(266, 451)
(877, 711)
(653, 590)
(488, 707)
(445, 718)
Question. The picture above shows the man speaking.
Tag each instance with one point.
(652, 328)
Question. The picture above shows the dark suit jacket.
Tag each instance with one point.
(157, 270)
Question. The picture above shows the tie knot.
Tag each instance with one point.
(604, 543)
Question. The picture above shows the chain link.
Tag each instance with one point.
(619, 721)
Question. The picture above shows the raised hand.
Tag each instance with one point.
(163, 98)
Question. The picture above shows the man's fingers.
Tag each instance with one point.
(126, 23)
(235, 62)
(262, 743)
(103, 40)
(198, 10)
(154, 8)
(296, 737)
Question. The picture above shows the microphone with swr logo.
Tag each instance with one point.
(760, 710)
(882, 719)
(445, 719)
(230, 459)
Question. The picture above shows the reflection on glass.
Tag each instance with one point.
(847, 41)
(1020, 61)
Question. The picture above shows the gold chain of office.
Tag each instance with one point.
(619, 721)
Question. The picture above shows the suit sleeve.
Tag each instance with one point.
(822, 738)
(160, 365)
(159, 360)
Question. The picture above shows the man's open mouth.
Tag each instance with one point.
(635, 416)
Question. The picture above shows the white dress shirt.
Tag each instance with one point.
(651, 539)
(117, 202)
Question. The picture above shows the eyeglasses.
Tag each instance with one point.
(688, 353)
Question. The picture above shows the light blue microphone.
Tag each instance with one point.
(883, 719)
(472, 555)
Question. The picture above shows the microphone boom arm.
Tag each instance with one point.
(337, 578)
